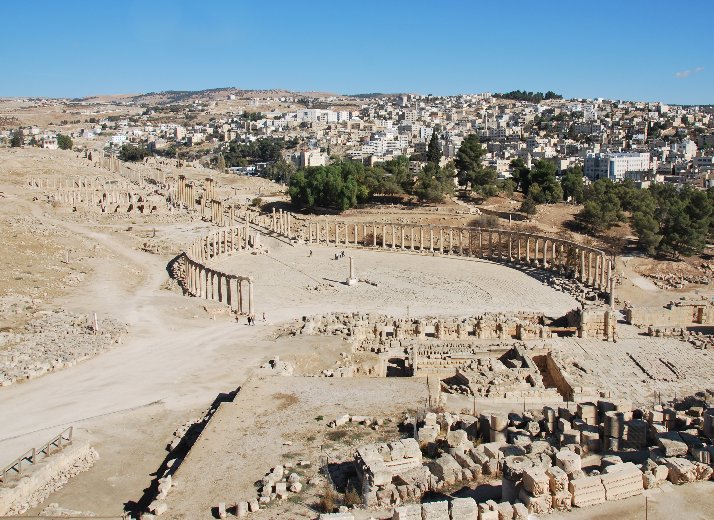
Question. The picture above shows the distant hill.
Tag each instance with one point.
(532, 97)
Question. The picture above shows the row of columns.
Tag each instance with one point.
(205, 282)
(58, 183)
(233, 290)
(221, 241)
(591, 266)
(185, 192)
(281, 223)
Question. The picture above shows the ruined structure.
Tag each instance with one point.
(590, 266)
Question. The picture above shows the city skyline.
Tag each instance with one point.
(585, 51)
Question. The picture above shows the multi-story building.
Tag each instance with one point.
(615, 166)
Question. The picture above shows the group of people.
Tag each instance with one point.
(251, 319)
(339, 255)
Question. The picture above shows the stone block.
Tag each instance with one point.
(221, 510)
(407, 512)
(520, 512)
(568, 461)
(457, 438)
(253, 506)
(558, 480)
(296, 487)
(493, 449)
(505, 511)
(242, 509)
(680, 471)
(446, 468)
(488, 515)
(562, 501)
(465, 508)
(540, 505)
(672, 444)
(513, 467)
(587, 491)
(427, 434)
(535, 481)
(411, 449)
(435, 510)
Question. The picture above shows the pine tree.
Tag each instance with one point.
(433, 152)
(17, 139)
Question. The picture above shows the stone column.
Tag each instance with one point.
(582, 266)
(510, 246)
(490, 243)
(431, 239)
(537, 250)
(528, 250)
(421, 239)
(356, 235)
(394, 236)
(545, 254)
(374, 234)
(251, 304)
(441, 240)
(401, 231)
(229, 291)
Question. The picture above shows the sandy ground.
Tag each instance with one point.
(289, 280)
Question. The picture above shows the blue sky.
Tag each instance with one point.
(626, 49)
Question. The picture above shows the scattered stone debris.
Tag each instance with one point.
(52, 340)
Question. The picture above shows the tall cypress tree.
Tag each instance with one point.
(433, 152)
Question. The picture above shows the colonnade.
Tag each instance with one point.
(591, 266)
(205, 282)
(185, 193)
(94, 183)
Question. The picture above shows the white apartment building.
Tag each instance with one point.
(615, 166)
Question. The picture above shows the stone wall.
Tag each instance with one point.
(681, 313)
(49, 476)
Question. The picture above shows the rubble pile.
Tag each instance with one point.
(547, 460)
(53, 340)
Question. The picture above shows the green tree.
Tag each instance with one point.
(572, 184)
(433, 151)
(543, 174)
(221, 163)
(131, 153)
(434, 182)
(17, 138)
(529, 206)
(469, 165)
(280, 171)
(646, 228)
(521, 174)
(64, 142)
(602, 208)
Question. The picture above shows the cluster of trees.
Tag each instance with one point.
(64, 142)
(17, 139)
(129, 152)
(533, 97)
(668, 220)
(541, 185)
(267, 149)
(343, 185)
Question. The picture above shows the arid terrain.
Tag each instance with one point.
(159, 359)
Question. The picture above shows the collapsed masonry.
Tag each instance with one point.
(683, 313)
(483, 356)
(550, 460)
(375, 333)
